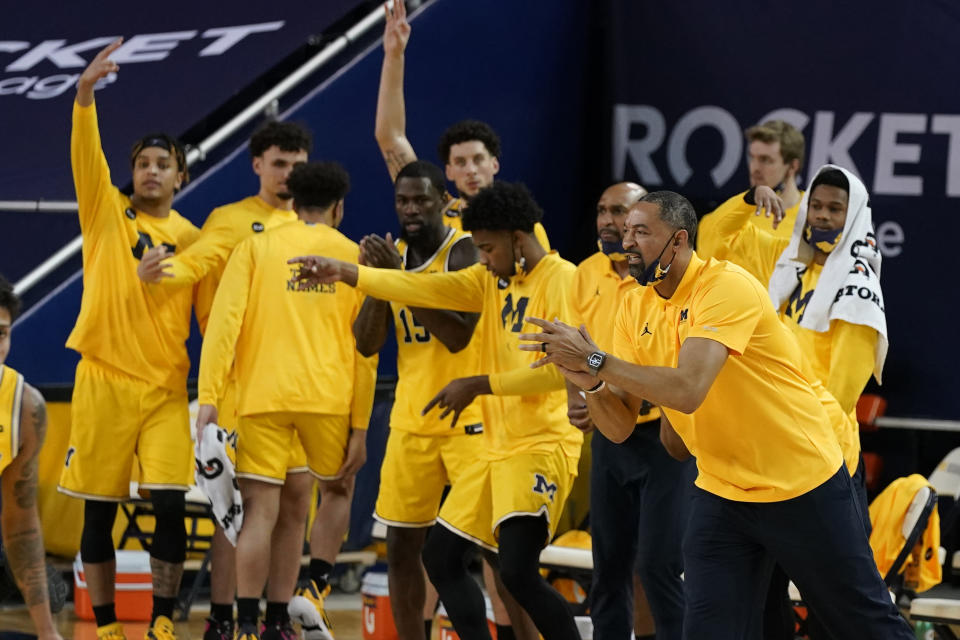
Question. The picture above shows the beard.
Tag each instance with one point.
(637, 269)
(285, 195)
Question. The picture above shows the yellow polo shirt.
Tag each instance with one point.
(596, 295)
(761, 434)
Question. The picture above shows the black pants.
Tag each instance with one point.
(638, 507)
(819, 539)
(778, 618)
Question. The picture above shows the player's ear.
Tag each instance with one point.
(257, 164)
(338, 213)
(495, 163)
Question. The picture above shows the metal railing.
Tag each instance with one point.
(197, 153)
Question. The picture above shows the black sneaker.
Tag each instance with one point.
(218, 629)
(278, 631)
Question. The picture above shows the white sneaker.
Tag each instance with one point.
(306, 609)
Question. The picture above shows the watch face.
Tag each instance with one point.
(595, 360)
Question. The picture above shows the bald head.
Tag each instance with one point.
(612, 209)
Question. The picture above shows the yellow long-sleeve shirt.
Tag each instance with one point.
(139, 330)
(294, 349)
(528, 411)
(711, 242)
(843, 357)
(204, 261)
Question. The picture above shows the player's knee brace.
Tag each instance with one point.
(170, 535)
(96, 541)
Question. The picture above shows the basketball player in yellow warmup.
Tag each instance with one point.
(296, 368)
(130, 393)
(275, 149)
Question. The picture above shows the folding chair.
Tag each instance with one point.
(942, 612)
(914, 524)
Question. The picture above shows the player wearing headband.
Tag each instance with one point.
(130, 395)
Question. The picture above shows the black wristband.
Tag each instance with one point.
(750, 196)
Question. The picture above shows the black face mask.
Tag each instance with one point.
(647, 275)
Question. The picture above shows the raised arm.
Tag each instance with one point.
(453, 328)
(207, 254)
(748, 245)
(91, 174)
(391, 123)
(20, 522)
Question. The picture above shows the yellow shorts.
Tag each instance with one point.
(490, 491)
(115, 416)
(415, 471)
(227, 419)
(265, 442)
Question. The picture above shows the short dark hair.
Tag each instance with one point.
(164, 141)
(318, 184)
(9, 300)
(676, 211)
(831, 178)
(424, 169)
(287, 136)
(503, 206)
(467, 131)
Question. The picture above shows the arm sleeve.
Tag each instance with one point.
(738, 240)
(226, 320)
(91, 174)
(364, 387)
(455, 290)
(207, 255)
(852, 353)
(726, 310)
(526, 381)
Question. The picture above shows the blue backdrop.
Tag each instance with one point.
(865, 82)
(459, 65)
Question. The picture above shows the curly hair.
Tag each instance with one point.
(8, 299)
(318, 184)
(287, 136)
(503, 206)
(468, 131)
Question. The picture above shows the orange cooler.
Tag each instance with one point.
(134, 600)
(377, 615)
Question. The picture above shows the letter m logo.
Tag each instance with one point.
(543, 487)
(513, 316)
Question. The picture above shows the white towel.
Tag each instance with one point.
(217, 478)
(849, 287)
